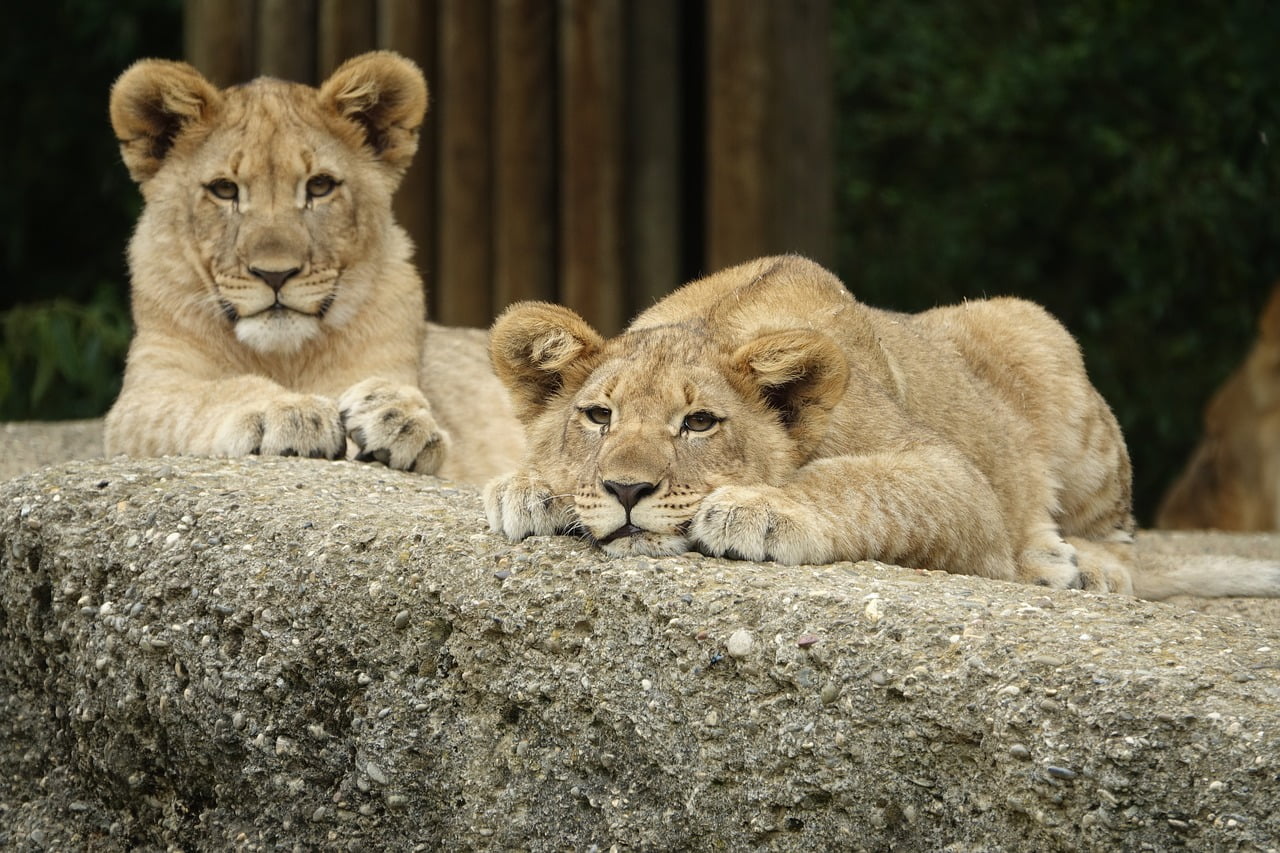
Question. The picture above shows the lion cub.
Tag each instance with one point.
(275, 306)
(763, 413)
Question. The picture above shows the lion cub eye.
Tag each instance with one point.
(699, 422)
(223, 189)
(319, 186)
(598, 415)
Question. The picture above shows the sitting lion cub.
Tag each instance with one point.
(763, 413)
(275, 306)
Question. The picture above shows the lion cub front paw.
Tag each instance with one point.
(392, 424)
(1053, 563)
(521, 504)
(291, 425)
(758, 523)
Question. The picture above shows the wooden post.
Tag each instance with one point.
(465, 247)
(656, 222)
(802, 196)
(217, 38)
(737, 90)
(590, 161)
(409, 27)
(524, 245)
(286, 39)
(344, 28)
(769, 149)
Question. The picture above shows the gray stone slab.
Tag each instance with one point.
(285, 653)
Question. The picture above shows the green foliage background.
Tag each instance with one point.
(1116, 161)
(1113, 160)
(69, 203)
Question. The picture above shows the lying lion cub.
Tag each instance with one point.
(763, 413)
(275, 305)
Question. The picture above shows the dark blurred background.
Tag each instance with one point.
(1115, 161)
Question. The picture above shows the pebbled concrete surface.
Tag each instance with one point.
(289, 654)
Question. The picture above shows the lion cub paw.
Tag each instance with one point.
(1101, 567)
(758, 523)
(1053, 564)
(520, 505)
(291, 425)
(392, 424)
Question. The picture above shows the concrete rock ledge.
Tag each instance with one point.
(27, 445)
(287, 654)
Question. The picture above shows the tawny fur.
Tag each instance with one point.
(1232, 480)
(763, 413)
(275, 305)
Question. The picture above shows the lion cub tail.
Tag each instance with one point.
(1159, 575)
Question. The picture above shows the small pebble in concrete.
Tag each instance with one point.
(740, 642)
(874, 611)
(375, 773)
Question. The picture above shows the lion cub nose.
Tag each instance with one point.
(275, 278)
(629, 494)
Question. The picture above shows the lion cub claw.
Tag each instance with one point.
(393, 424)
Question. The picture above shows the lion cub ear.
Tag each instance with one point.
(538, 350)
(801, 375)
(386, 95)
(152, 103)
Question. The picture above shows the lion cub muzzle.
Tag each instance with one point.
(288, 291)
(274, 268)
(628, 495)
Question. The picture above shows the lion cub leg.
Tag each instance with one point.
(928, 508)
(393, 424)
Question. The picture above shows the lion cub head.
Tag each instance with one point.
(267, 204)
(639, 429)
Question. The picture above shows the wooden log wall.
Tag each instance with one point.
(597, 153)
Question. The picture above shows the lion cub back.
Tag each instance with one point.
(1029, 361)
(781, 292)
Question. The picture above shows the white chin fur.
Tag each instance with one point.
(281, 334)
(647, 545)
